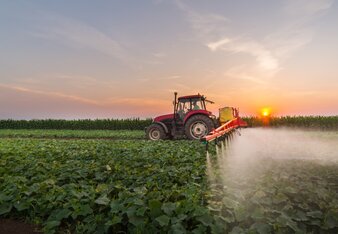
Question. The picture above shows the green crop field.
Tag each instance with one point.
(88, 185)
(116, 181)
(80, 124)
(72, 134)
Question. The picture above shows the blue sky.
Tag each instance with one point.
(108, 59)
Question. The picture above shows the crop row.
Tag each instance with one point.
(71, 134)
(314, 122)
(81, 124)
(84, 186)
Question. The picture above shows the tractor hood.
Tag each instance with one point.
(163, 117)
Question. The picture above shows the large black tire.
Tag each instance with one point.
(155, 132)
(198, 126)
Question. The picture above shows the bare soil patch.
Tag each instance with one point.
(10, 226)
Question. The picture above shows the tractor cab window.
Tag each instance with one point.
(197, 104)
(183, 108)
(186, 105)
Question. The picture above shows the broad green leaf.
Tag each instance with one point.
(155, 208)
(103, 200)
(140, 211)
(21, 205)
(315, 214)
(206, 219)
(179, 218)
(300, 216)
(237, 230)
(279, 198)
(50, 226)
(163, 220)
(257, 214)
(331, 220)
(200, 229)
(178, 228)
(116, 220)
(261, 228)
(169, 208)
(5, 208)
(136, 220)
(84, 210)
(4, 197)
(115, 206)
(229, 203)
(241, 213)
(59, 214)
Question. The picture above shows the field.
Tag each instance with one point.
(116, 181)
(87, 185)
(73, 134)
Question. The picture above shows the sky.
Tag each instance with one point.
(123, 58)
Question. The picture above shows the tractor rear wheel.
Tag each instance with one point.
(198, 126)
(155, 132)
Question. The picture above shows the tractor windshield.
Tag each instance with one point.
(197, 104)
(191, 104)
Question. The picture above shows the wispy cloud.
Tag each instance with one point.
(160, 55)
(51, 94)
(173, 77)
(270, 50)
(239, 72)
(307, 7)
(207, 25)
(146, 103)
(53, 81)
(78, 34)
(263, 56)
(161, 79)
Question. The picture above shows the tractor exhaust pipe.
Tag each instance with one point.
(175, 103)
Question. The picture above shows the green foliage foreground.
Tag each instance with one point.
(104, 186)
(138, 186)
(73, 134)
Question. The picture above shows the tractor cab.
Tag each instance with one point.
(187, 104)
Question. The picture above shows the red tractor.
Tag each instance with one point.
(190, 118)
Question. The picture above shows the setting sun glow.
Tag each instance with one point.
(265, 112)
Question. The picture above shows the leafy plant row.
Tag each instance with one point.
(81, 124)
(87, 186)
(69, 134)
(316, 122)
(291, 196)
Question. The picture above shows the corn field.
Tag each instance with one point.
(314, 122)
(81, 124)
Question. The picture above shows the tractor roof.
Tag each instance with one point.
(191, 96)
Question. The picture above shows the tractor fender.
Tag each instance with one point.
(196, 112)
(163, 125)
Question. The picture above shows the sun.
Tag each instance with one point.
(266, 112)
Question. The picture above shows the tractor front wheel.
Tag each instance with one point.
(198, 126)
(155, 132)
